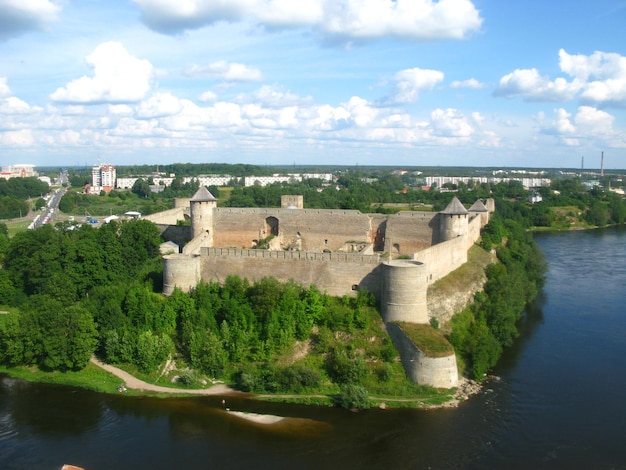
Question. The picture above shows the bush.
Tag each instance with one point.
(345, 369)
(187, 378)
(352, 397)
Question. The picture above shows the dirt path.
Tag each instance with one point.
(136, 384)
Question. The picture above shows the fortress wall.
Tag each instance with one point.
(439, 372)
(335, 273)
(184, 202)
(312, 229)
(443, 258)
(168, 217)
(408, 232)
(475, 224)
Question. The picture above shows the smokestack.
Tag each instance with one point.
(602, 165)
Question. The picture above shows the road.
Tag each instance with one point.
(49, 211)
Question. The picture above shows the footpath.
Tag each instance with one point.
(134, 383)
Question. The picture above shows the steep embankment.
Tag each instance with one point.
(454, 292)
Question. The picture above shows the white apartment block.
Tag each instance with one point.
(102, 178)
(210, 180)
(290, 178)
(526, 182)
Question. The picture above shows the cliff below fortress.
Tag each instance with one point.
(456, 291)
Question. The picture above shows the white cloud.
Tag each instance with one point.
(588, 124)
(10, 104)
(5, 91)
(207, 97)
(594, 122)
(21, 138)
(20, 16)
(118, 77)
(273, 97)
(118, 109)
(411, 82)
(470, 83)
(450, 123)
(599, 78)
(228, 71)
(13, 105)
(530, 85)
(604, 75)
(159, 105)
(346, 20)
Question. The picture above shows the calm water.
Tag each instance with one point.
(559, 402)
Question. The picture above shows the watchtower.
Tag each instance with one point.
(201, 210)
(453, 221)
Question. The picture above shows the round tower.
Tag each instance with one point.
(453, 221)
(201, 210)
(404, 292)
(182, 271)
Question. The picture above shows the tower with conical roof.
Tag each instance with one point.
(201, 207)
(479, 208)
(453, 221)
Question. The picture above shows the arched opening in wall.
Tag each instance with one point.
(396, 248)
(271, 226)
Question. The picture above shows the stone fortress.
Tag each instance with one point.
(396, 257)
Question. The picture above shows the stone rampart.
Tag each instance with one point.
(407, 232)
(443, 258)
(306, 229)
(168, 217)
(439, 372)
(336, 273)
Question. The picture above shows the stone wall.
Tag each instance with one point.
(303, 229)
(408, 232)
(168, 217)
(443, 258)
(440, 372)
(336, 273)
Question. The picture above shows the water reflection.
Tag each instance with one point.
(44, 410)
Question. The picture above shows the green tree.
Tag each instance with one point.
(68, 335)
(152, 350)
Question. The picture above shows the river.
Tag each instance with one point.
(557, 402)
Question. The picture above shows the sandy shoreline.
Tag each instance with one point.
(256, 418)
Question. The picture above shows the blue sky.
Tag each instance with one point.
(345, 82)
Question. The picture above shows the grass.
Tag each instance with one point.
(91, 377)
(471, 272)
(17, 225)
(427, 339)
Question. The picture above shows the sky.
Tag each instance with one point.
(405, 83)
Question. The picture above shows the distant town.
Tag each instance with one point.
(104, 178)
